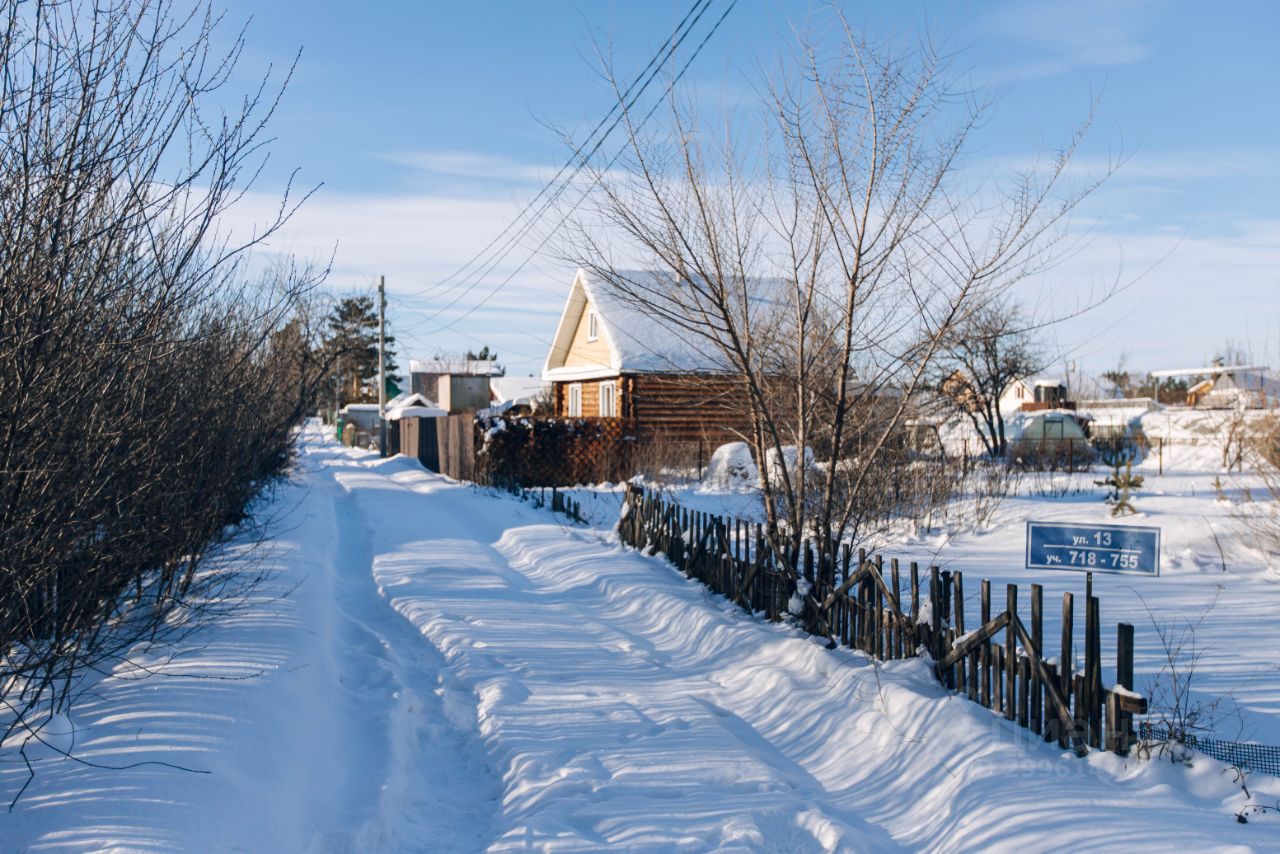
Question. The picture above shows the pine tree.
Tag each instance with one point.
(353, 342)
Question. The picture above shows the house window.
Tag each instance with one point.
(608, 400)
(593, 326)
(575, 401)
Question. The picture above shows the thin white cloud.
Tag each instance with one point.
(1067, 36)
(471, 164)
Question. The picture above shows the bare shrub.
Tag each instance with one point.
(1262, 518)
(150, 386)
(1176, 713)
(989, 483)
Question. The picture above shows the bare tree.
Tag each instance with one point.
(825, 263)
(981, 357)
(150, 383)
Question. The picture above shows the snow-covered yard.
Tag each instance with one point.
(434, 668)
(1218, 593)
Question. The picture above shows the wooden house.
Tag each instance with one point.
(1221, 386)
(609, 359)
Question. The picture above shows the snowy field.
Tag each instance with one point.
(1218, 590)
(432, 668)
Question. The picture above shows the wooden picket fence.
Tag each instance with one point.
(861, 604)
(553, 498)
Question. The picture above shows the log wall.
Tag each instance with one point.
(681, 408)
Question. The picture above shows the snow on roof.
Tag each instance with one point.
(1211, 369)
(360, 407)
(461, 367)
(415, 401)
(515, 388)
(415, 412)
(639, 340)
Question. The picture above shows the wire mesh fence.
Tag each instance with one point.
(1262, 758)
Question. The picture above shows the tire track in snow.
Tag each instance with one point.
(604, 734)
(418, 777)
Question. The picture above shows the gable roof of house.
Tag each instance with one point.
(637, 340)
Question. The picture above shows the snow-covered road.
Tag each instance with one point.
(455, 671)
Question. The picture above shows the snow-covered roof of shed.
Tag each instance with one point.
(639, 341)
(1208, 371)
(415, 412)
(459, 367)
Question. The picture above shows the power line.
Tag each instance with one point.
(651, 69)
(624, 106)
(547, 238)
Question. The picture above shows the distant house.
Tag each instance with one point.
(1198, 392)
(1228, 386)
(609, 359)
(1250, 387)
(1033, 394)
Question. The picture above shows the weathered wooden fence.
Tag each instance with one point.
(443, 444)
(552, 498)
(861, 603)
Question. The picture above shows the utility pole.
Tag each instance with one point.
(382, 366)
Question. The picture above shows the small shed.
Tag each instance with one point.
(413, 405)
(457, 393)
(425, 375)
(365, 418)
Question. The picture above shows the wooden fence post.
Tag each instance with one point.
(915, 601)
(963, 679)
(1011, 654)
(1037, 638)
(985, 650)
(1123, 726)
(898, 639)
(1093, 670)
(1066, 667)
(935, 613)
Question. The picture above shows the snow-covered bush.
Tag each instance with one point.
(732, 469)
(776, 463)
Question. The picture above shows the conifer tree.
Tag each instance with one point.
(352, 340)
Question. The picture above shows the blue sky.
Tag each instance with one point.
(430, 124)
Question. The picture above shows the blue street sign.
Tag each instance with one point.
(1093, 548)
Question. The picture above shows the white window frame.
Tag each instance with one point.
(610, 411)
(574, 400)
(593, 325)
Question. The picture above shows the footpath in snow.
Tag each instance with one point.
(454, 671)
